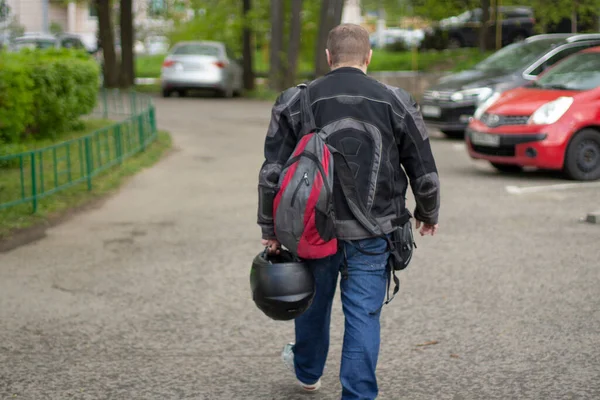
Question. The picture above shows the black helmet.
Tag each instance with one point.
(283, 287)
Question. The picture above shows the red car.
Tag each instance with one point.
(551, 123)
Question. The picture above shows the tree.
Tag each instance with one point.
(331, 15)
(439, 9)
(394, 9)
(293, 50)
(580, 12)
(247, 47)
(483, 28)
(275, 62)
(4, 11)
(4, 20)
(56, 28)
(4, 15)
(127, 36)
(107, 42)
(222, 20)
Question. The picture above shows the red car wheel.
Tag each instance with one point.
(582, 158)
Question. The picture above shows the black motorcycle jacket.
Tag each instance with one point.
(381, 133)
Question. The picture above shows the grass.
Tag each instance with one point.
(261, 64)
(148, 66)
(149, 88)
(447, 60)
(80, 129)
(262, 92)
(50, 207)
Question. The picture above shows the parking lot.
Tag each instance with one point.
(147, 296)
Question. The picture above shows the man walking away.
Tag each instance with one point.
(379, 130)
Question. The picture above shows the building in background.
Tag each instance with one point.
(81, 18)
(39, 15)
(351, 13)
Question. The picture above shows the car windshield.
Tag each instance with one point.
(193, 49)
(578, 72)
(34, 44)
(515, 56)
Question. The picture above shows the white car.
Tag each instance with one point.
(201, 65)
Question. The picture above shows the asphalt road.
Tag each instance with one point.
(147, 296)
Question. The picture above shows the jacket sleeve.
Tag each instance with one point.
(417, 158)
(279, 145)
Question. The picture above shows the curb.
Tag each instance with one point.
(146, 81)
(593, 217)
(22, 238)
(25, 236)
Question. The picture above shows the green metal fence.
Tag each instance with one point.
(33, 175)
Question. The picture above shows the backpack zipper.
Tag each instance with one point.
(321, 170)
(303, 180)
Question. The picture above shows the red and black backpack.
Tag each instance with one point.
(303, 207)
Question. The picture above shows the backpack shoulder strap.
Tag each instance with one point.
(307, 119)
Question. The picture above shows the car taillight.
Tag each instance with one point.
(220, 64)
(168, 63)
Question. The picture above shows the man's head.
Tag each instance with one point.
(348, 45)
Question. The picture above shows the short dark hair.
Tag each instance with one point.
(348, 44)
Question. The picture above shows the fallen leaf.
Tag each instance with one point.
(430, 343)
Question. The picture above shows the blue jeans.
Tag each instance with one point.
(362, 293)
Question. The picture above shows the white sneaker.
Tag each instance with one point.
(287, 355)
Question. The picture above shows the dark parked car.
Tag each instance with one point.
(463, 30)
(450, 103)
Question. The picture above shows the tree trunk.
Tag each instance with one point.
(294, 47)
(337, 12)
(331, 15)
(497, 25)
(127, 34)
(247, 49)
(484, 29)
(574, 17)
(275, 71)
(320, 57)
(4, 11)
(107, 41)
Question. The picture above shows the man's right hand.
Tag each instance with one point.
(426, 229)
(272, 246)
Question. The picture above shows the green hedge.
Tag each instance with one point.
(43, 92)
(16, 98)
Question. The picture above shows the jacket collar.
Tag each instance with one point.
(341, 70)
